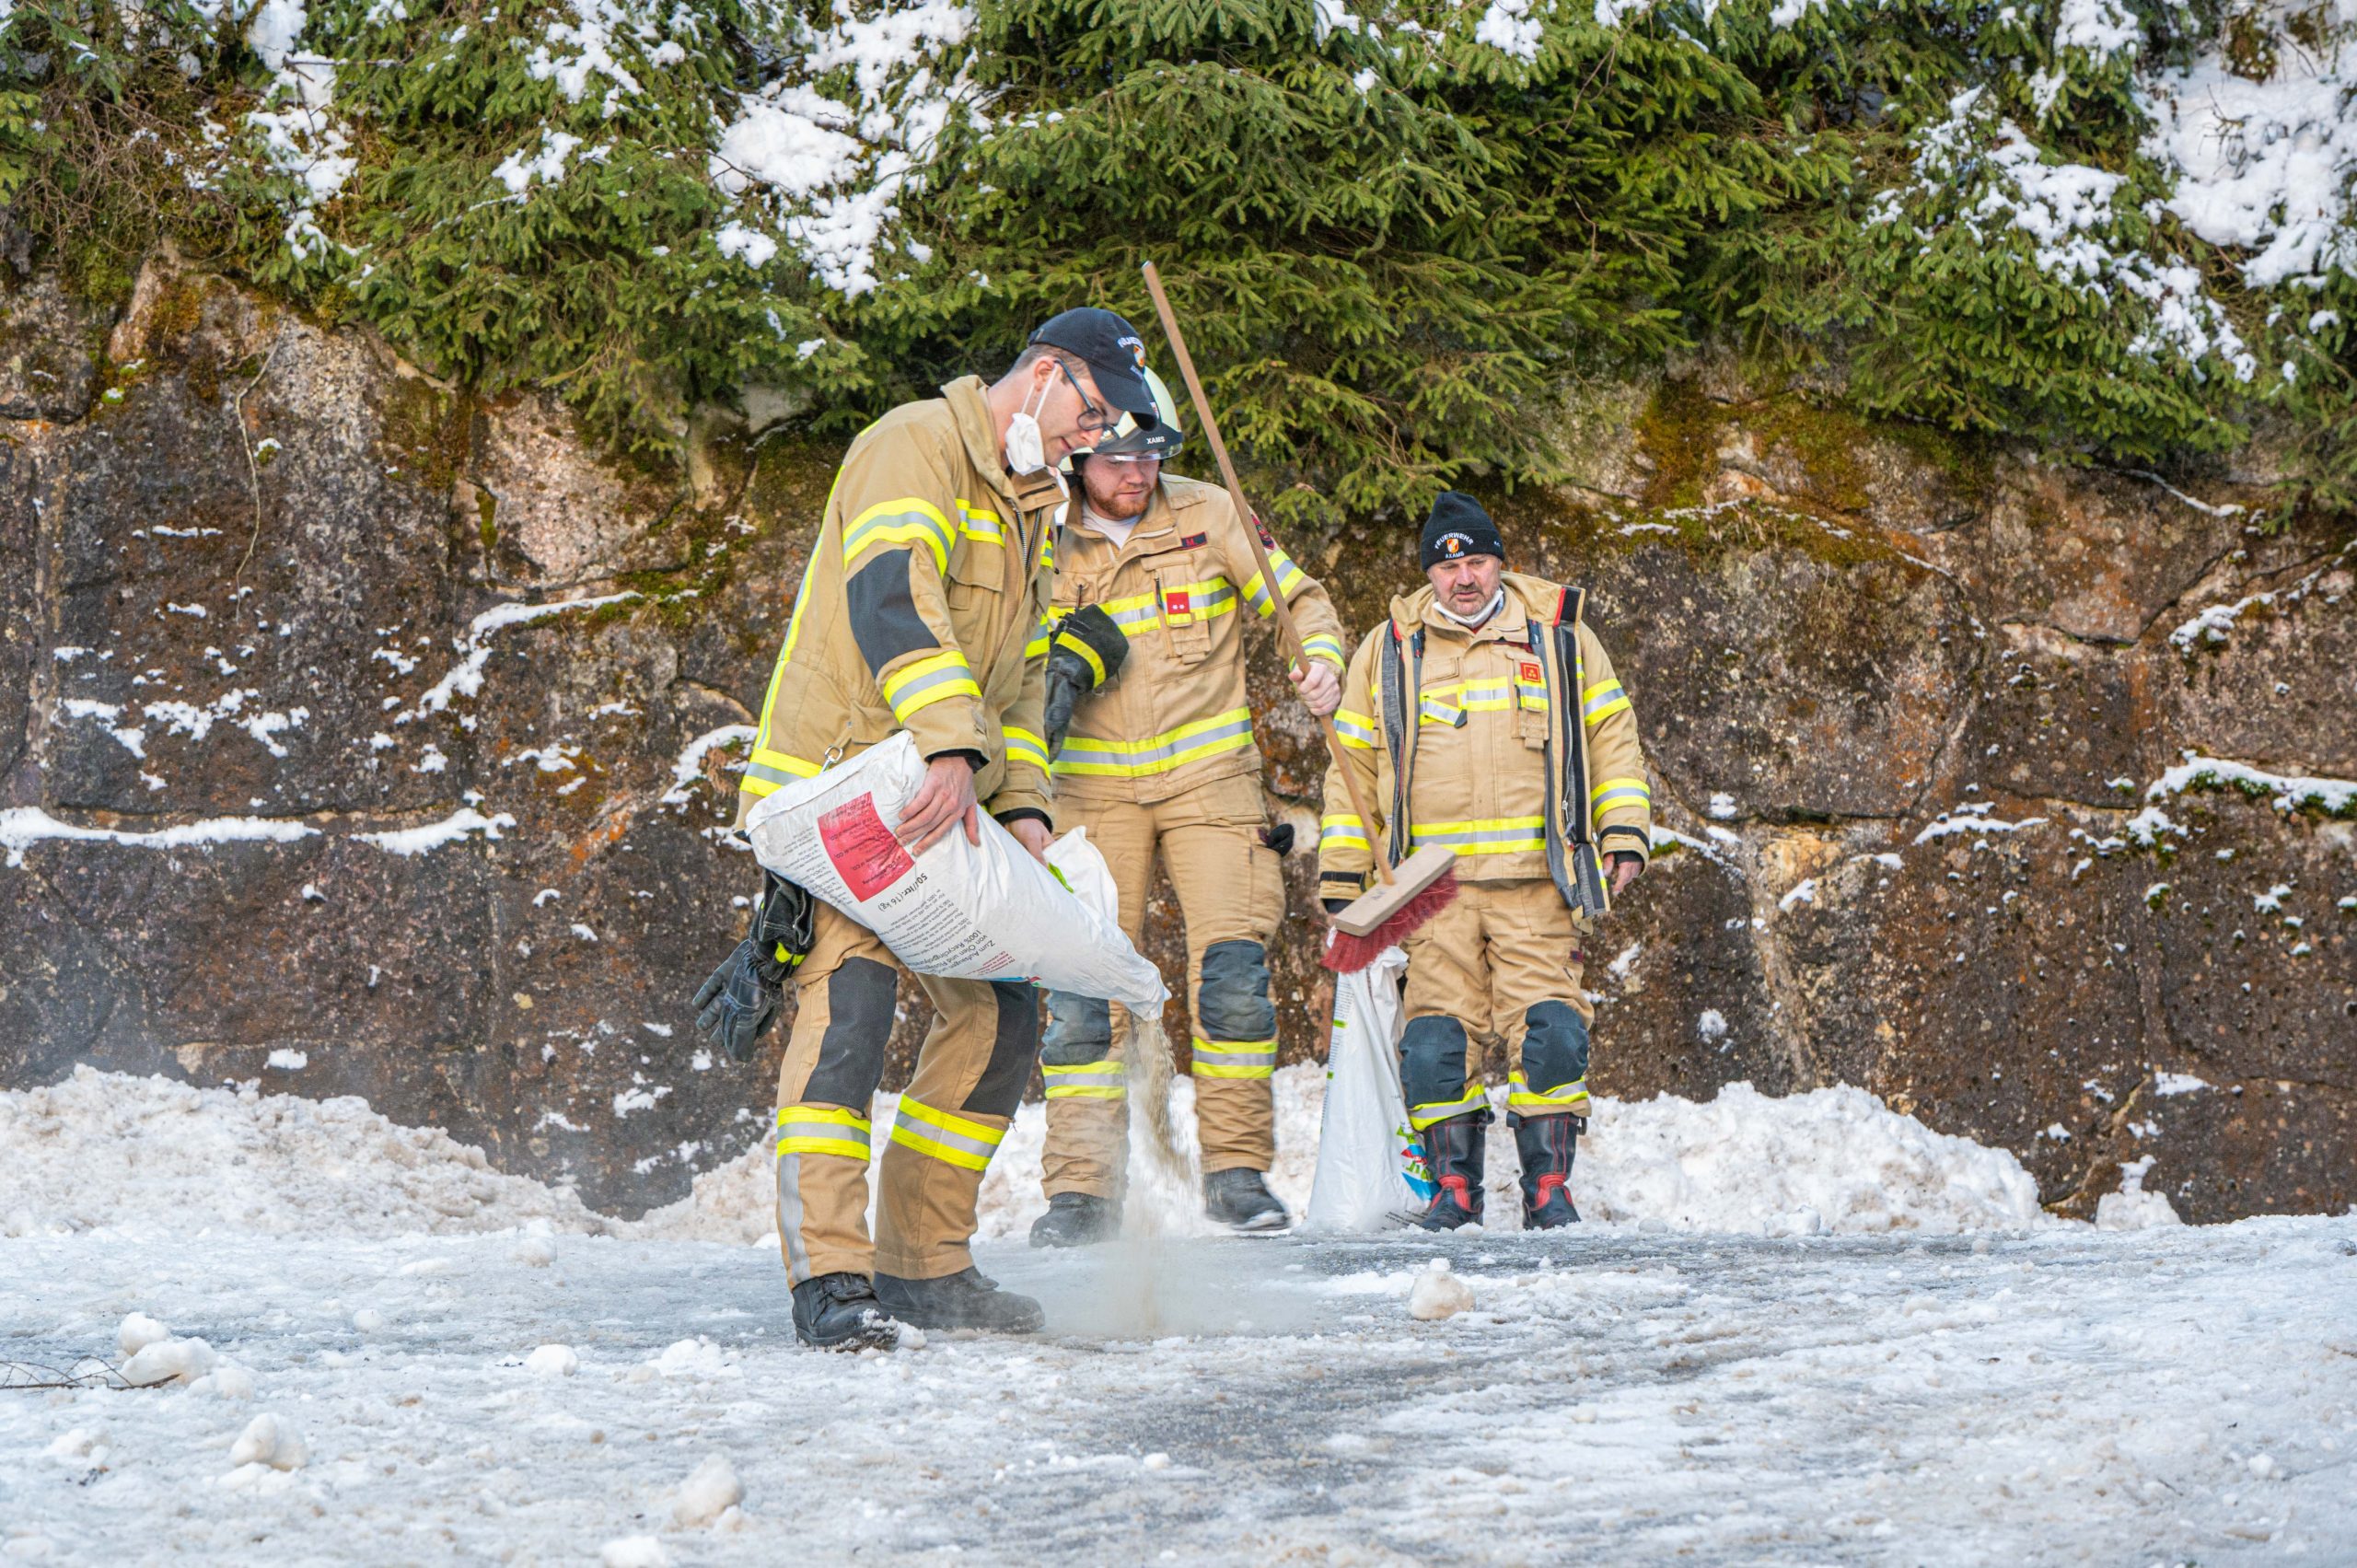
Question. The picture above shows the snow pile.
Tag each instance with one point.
(149, 1154)
(153, 1156)
(1745, 1161)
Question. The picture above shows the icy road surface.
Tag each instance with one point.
(1614, 1396)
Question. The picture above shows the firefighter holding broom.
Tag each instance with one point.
(1155, 579)
(1484, 717)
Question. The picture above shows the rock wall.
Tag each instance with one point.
(362, 736)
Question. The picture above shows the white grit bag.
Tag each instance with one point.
(961, 911)
(1371, 1167)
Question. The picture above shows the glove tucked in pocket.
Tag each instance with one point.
(736, 1004)
(1088, 652)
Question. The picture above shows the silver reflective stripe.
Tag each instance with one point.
(789, 1218)
(1483, 836)
(832, 1132)
(1239, 1053)
(763, 772)
(1078, 750)
(933, 1132)
(1079, 1080)
(900, 694)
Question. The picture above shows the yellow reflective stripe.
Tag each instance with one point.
(1087, 1080)
(1355, 729)
(822, 1129)
(1615, 792)
(1603, 700)
(1047, 548)
(976, 523)
(1483, 835)
(1087, 655)
(1235, 1058)
(1341, 830)
(1290, 578)
(1022, 746)
(1040, 636)
(1434, 710)
(907, 521)
(919, 685)
(1135, 614)
(793, 624)
(1563, 1097)
(1318, 644)
(1088, 755)
(1422, 1116)
(1204, 600)
(951, 1139)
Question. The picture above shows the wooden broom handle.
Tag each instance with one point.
(1286, 631)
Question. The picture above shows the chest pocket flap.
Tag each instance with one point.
(1191, 597)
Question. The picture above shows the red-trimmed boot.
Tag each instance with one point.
(1546, 1145)
(1453, 1155)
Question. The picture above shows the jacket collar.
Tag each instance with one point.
(971, 411)
(1421, 609)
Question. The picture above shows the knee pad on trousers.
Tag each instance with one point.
(1013, 1049)
(1554, 1049)
(1233, 1003)
(1431, 1060)
(860, 995)
(1080, 1030)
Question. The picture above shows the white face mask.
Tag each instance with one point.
(1027, 449)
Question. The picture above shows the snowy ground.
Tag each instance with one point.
(1637, 1391)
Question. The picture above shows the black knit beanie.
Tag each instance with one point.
(1458, 528)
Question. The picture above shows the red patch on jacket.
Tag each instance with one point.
(1194, 542)
(1533, 675)
(1175, 603)
(1267, 538)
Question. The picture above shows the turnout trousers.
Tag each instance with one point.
(1502, 963)
(1232, 898)
(970, 1077)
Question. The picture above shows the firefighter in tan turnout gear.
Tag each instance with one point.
(924, 608)
(1483, 715)
(1155, 581)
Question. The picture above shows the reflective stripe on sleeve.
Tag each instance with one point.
(1484, 835)
(1341, 830)
(1615, 792)
(922, 683)
(1571, 1096)
(1319, 645)
(1041, 635)
(1022, 746)
(950, 1139)
(1088, 755)
(1355, 729)
(822, 1129)
(1235, 1058)
(1087, 1080)
(1290, 579)
(905, 521)
(1603, 700)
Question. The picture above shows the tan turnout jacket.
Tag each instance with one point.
(1482, 703)
(923, 608)
(1174, 716)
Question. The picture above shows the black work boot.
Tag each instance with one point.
(1452, 1152)
(1076, 1219)
(1241, 1200)
(1546, 1145)
(963, 1300)
(841, 1312)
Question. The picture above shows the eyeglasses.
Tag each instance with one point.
(1094, 419)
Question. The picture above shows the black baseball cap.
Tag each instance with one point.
(1115, 352)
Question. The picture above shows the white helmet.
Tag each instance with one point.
(1162, 438)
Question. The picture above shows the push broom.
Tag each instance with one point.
(1423, 885)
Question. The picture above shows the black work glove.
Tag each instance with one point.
(739, 1003)
(1279, 838)
(1088, 652)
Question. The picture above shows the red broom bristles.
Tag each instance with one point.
(1346, 954)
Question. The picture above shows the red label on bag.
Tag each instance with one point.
(866, 853)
